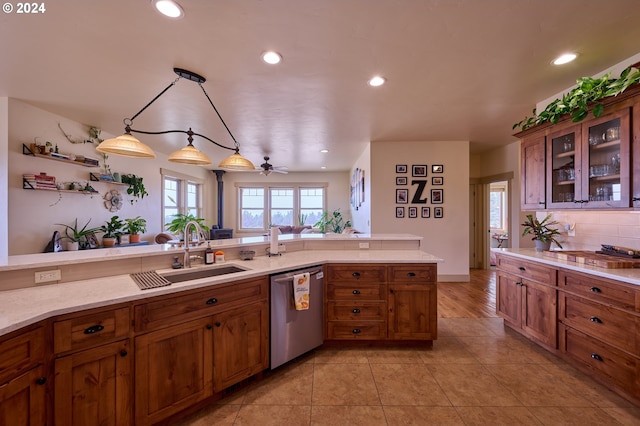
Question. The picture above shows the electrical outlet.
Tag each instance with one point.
(281, 248)
(363, 245)
(48, 276)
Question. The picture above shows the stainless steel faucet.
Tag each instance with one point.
(187, 259)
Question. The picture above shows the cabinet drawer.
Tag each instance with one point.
(356, 311)
(409, 273)
(89, 330)
(606, 361)
(20, 353)
(356, 292)
(347, 273)
(169, 310)
(598, 289)
(530, 270)
(357, 330)
(610, 325)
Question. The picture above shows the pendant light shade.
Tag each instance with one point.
(127, 146)
(236, 162)
(190, 155)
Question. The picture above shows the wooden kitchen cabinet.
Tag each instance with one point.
(533, 173)
(23, 379)
(240, 344)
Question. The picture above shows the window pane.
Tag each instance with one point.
(309, 217)
(252, 208)
(253, 219)
(311, 198)
(192, 195)
(169, 213)
(281, 217)
(170, 192)
(496, 205)
(281, 198)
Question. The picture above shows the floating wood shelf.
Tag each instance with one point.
(27, 151)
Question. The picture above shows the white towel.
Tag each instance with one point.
(301, 290)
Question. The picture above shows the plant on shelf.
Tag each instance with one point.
(112, 230)
(332, 222)
(588, 92)
(136, 186)
(78, 236)
(180, 220)
(543, 235)
(134, 227)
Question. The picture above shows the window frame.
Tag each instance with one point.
(183, 181)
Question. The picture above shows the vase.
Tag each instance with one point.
(134, 238)
(542, 245)
(108, 242)
(72, 246)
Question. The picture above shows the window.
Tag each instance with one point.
(261, 206)
(180, 194)
(498, 206)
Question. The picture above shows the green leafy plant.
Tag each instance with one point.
(577, 102)
(332, 222)
(112, 228)
(136, 186)
(76, 234)
(540, 229)
(136, 225)
(176, 226)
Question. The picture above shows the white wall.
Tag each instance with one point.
(4, 176)
(447, 237)
(33, 214)
(361, 217)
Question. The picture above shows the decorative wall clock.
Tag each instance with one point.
(113, 200)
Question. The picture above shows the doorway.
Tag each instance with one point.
(498, 218)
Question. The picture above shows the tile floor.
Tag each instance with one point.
(477, 373)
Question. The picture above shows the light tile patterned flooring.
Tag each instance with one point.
(477, 373)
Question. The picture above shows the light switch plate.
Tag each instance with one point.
(48, 276)
(363, 245)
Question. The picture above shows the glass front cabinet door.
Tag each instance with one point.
(588, 164)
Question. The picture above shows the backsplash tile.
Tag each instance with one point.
(593, 228)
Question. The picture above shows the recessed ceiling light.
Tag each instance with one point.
(324, 151)
(564, 59)
(323, 167)
(168, 8)
(377, 81)
(271, 57)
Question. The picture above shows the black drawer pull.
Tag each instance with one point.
(595, 290)
(411, 274)
(218, 324)
(212, 301)
(356, 331)
(522, 268)
(356, 311)
(356, 274)
(596, 356)
(356, 291)
(41, 381)
(123, 353)
(596, 320)
(94, 329)
(209, 326)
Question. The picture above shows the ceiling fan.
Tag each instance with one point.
(266, 168)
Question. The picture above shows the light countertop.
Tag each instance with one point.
(22, 307)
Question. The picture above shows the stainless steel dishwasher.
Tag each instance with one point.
(295, 332)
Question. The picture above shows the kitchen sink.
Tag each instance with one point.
(188, 275)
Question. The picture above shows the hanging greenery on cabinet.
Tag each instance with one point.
(588, 92)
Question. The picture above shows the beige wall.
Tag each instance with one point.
(4, 175)
(447, 237)
(361, 217)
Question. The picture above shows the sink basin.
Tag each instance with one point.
(189, 275)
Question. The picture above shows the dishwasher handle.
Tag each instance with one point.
(284, 280)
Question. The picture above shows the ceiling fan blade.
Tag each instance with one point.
(284, 172)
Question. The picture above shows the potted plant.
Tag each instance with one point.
(543, 235)
(77, 236)
(332, 222)
(112, 230)
(176, 226)
(136, 186)
(134, 227)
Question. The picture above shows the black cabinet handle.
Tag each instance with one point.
(356, 331)
(356, 291)
(93, 329)
(212, 301)
(522, 268)
(541, 203)
(41, 381)
(596, 320)
(411, 274)
(356, 311)
(218, 324)
(519, 283)
(595, 290)
(123, 353)
(356, 274)
(596, 356)
(209, 326)
(635, 199)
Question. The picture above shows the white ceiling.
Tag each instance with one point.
(456, 69)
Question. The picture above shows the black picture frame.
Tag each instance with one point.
(413, 212)
(402, 196)
(401, 180)
(437, 180)
(437, 168)
(438, 212)
(437, 196)
(92, 241)
(425, 212)
(401, 168)
(400, 212)
(419, 170)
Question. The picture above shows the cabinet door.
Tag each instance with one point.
(532, 182)
(94, 386)
(173, 369)
(22, 400)
(539, 314)
(564, 168)
(635, 152)
(240, 344)
(412, 311)
(508, 298)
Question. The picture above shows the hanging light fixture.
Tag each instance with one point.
(128, 146)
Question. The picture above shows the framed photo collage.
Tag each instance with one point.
(419, 191)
